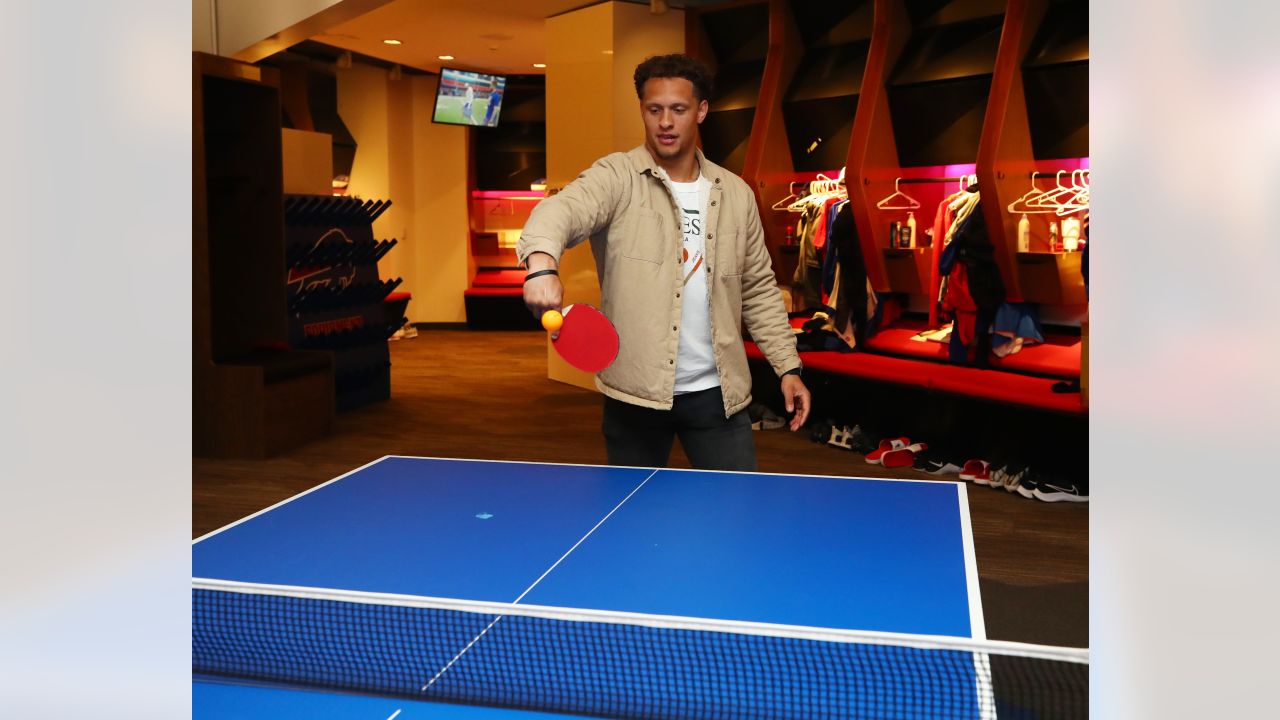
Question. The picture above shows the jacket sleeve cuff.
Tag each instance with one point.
(528, 246)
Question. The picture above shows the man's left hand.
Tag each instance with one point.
(796, 396)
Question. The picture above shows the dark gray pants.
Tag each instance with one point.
(642, 437)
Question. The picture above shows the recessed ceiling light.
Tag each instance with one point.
(390, 41)
(539, 65)
(444, 57)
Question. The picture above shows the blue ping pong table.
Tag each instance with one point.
(837, 554)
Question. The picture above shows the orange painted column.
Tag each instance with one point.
(873, 163)
(1005, 160)
(768, 166)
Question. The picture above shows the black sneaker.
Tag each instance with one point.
(1027, 484)
(932, 462)
(861, 442)
(820, 432)
(1012, 477)
(1060, 491)
(769, 420)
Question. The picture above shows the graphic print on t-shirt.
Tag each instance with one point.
(695, 360)
(692, 230)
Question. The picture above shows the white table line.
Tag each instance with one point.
(476, 639)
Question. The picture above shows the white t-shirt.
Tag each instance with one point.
(695, 361)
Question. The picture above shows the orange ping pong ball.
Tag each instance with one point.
(552, 320)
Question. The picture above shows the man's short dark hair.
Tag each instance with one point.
(675, 66)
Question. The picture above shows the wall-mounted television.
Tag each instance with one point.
(469, 98)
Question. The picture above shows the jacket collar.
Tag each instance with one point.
(642, 162)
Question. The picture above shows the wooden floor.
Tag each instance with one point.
(467, 394)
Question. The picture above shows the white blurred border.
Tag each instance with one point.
(1185, 135)
(94, 357)
(95, 411)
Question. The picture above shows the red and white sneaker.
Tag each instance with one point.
(978, 471)
(875, 456)
(902, 457)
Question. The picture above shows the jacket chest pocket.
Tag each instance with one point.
(646, 238)
(729, 255)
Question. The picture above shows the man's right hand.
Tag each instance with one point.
(542, 293)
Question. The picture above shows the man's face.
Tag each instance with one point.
(671, 115)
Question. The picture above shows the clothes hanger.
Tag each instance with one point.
(1026, 198)
(798, 203)
(885, 203)
(1067, 199)
(1079, 199)
(791, 195)
(816, 193)
(824, 187)
(1049, 200)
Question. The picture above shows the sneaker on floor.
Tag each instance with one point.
(886, 445)
(840, 437)
(1027, 487)
(1013, 477)
(861, 442)
(993, 478)
(932, 462)
(902, 457)
(1060, 491)
(974, 469)
(820, 432)
(769, 420)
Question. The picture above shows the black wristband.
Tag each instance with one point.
(792, 371)
(540, 273)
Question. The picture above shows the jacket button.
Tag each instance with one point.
(713, 203)
(671, 362)
(710, 236)
(677, 294)
(673, 327)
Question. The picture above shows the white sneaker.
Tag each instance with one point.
(1060, 491)
(840, 437)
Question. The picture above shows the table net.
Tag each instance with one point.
(618, 665)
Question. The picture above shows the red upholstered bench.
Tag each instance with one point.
(1057, 357)
(859, 365)
(495, 292)
(499, 277)
(1006, 387)
(395, 306)
(495, 301)
(995, 385)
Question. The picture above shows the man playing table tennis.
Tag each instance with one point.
(682, 263)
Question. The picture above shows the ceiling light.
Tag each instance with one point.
(444, 57)
(539, 65)
(391, 42)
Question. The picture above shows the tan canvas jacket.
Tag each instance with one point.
(625, 205)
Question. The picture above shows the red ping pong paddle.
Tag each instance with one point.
(587, 340)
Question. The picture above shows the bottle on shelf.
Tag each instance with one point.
(1024, 234)
(1071, 234)
(1053, 237)
(909, 231)
(894, 230)
(791, 236)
